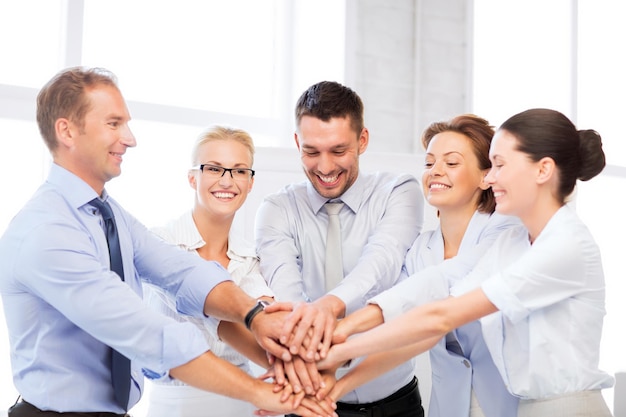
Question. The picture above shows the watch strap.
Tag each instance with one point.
(258, 307)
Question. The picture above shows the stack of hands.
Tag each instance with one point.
(299, 340)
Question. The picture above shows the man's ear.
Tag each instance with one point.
(295, 138)
(65, 132)
(364, 139)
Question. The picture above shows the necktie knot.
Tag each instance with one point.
(103, 207)
(333, 208)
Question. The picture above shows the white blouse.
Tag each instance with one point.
(243, 268)
(545, 340)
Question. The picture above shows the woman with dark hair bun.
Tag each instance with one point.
(539, 291)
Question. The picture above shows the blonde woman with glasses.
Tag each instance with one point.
(221, 177)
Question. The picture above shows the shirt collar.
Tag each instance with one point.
(474, 229)
(189, 237)
(72, 187)
(352, 197)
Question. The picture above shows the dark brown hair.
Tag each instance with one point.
(329, 99)
(543, 133)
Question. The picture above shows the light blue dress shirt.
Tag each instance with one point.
(460, 361)
(64, 307)
(382, 216)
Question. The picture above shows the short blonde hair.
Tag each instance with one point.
(222, 133)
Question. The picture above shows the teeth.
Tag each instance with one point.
(498, 193)
(329, 179)
(440, 186)
(224, 195)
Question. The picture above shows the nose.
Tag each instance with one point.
(225, 179)
(490, 178)
(436, 169)
(127, 137)
(325, 163)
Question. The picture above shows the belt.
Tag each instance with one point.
(406, 402)
(26, 409)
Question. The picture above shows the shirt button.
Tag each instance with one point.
(466, 363)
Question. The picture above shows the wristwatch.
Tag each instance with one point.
(259, 306)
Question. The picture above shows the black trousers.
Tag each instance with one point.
(406, 402)
(26, 409)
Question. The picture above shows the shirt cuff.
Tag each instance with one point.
(504, 299)
(194, 289)
(420, 288)
(182, 342)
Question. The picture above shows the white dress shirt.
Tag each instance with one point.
(545, 340)
(243, 269)
(460, 362)
(382, 216)
(171, 397)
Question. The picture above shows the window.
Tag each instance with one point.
(182, 66)
(562, 55)
(30, 47)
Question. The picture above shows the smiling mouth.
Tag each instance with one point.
(328, 180)
(438, 186)
(224, 195)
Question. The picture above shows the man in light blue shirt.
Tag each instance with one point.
(66, 310)
(381, 216)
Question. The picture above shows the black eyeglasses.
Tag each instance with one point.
(218, 172)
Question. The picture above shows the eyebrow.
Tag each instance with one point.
(447, 153)
(116, 117)
(219, 164)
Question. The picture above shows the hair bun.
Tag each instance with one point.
(592, 156)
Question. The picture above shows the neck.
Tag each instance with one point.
(214, 232)
(453, 226)
(537, 220)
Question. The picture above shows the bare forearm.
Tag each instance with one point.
(377, 364)
(418, 324)
(228, 302)
(210, 373)
(361, 320)
(237, 336)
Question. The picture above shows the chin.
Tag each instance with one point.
(329, 193)
(502, 209)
